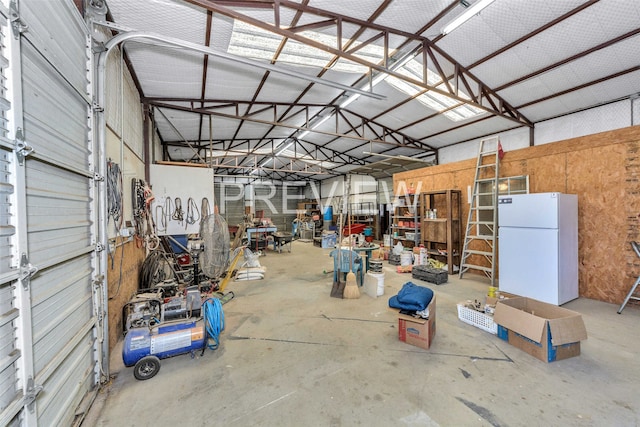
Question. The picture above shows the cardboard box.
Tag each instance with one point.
(543, 330)
(417, 331)
(329, 240)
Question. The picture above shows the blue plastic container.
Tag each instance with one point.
(183, 239)
(328, 213)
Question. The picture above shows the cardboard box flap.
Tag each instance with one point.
(567, 330)
(517, 320)
(419, 320)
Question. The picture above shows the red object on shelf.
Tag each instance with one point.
(355, 229)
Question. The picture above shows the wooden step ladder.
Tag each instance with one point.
(481, 232)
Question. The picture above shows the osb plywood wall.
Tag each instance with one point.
(123, 273)
(603, 170)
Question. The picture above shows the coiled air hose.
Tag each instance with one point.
(213, 321)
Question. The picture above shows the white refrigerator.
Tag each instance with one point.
(538, 246)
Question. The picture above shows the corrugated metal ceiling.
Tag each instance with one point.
(519, 61)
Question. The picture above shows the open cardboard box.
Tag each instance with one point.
(418, 331)
(543, 330)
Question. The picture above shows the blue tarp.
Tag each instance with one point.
(411, 297)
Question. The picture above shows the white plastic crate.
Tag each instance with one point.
(477, 319)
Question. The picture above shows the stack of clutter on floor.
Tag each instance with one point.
(395, 254)
(543, 330)
(429, 274)
(417, 316)
(479, 314)
(251, 268)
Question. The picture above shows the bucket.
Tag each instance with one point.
(375, 283)
(368, 231)
(375, 266)
(406, 258)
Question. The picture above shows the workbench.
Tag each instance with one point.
(281, 238)
(259, 231)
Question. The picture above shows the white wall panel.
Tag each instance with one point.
(608, 117)
(601, 119)
(184, 183)
(511, 140)
(122, 106)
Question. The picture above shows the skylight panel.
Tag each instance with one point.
(252, 42)
(435, 101)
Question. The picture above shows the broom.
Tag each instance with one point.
(351, 291)
(337, 290)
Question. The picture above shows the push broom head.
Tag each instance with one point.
(351, 291)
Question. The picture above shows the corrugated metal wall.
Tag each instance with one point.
(277, 206)
(230, 198)
(50, 207)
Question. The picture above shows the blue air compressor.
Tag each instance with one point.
(145, 346)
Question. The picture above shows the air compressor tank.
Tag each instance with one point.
(162, 341)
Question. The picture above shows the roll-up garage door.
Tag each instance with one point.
(231, 202)
(49, 299)
(11, 394)
(275, 205)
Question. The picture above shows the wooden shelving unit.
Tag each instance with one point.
(365, 213)
(441, 236)
(405, 225)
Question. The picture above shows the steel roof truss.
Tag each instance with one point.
(337, 21)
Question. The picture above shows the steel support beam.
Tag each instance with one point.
(482, 96)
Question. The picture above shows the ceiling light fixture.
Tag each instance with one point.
(379, 78)
(466, 15)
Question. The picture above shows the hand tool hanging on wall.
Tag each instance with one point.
(160, 214)
(141, 198)
(205, 209)
(138, 204)
(193, 214)
(178, 213)
(114, 195)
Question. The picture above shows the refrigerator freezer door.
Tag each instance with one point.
(529, 263)
(537, 210)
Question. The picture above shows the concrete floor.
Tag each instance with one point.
(292, 356)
